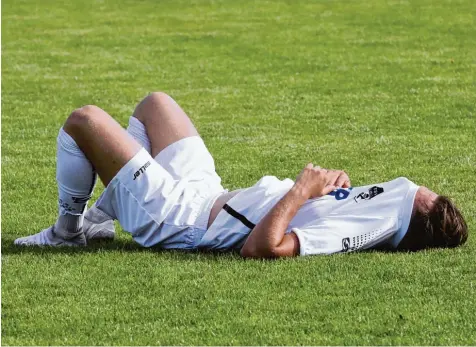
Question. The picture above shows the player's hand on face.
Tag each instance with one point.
(317, 182)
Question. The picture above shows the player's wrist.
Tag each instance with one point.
(301, 191)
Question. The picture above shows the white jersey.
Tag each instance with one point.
(343, 221)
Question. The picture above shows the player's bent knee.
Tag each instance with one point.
(83, 116)
(91, 110)
(148, 106)
(158, 98)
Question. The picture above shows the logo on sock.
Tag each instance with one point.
(81, 200)
(141, 170)
(65, 206)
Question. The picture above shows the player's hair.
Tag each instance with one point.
(441, 226)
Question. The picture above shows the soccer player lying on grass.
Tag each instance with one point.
(162, 186)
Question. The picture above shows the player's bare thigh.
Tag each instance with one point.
(104, 142)
(164, 120)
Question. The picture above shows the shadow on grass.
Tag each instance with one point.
(100, 246)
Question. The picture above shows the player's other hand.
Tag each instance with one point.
(342, 179)
(316, 182)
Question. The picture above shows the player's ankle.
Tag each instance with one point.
(69, 226)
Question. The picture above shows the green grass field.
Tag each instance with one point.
(380, 88)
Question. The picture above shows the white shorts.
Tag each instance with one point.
(165, 201)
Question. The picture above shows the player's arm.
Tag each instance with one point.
(269, 239)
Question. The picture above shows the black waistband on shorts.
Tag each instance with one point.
(239, 216)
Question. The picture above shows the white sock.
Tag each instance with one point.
(76, 179)
(96, 216)
(137, 130)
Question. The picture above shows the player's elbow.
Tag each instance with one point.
(250, 251)
(246, 253)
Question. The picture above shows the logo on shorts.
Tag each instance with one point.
(141, 170)
(373, 192)
(345, 244)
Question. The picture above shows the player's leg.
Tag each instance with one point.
(103, 141)
(164, 121)
(90, 142)
(157, 122)
(97, 225)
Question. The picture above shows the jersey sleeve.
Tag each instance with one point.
(334, 234)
